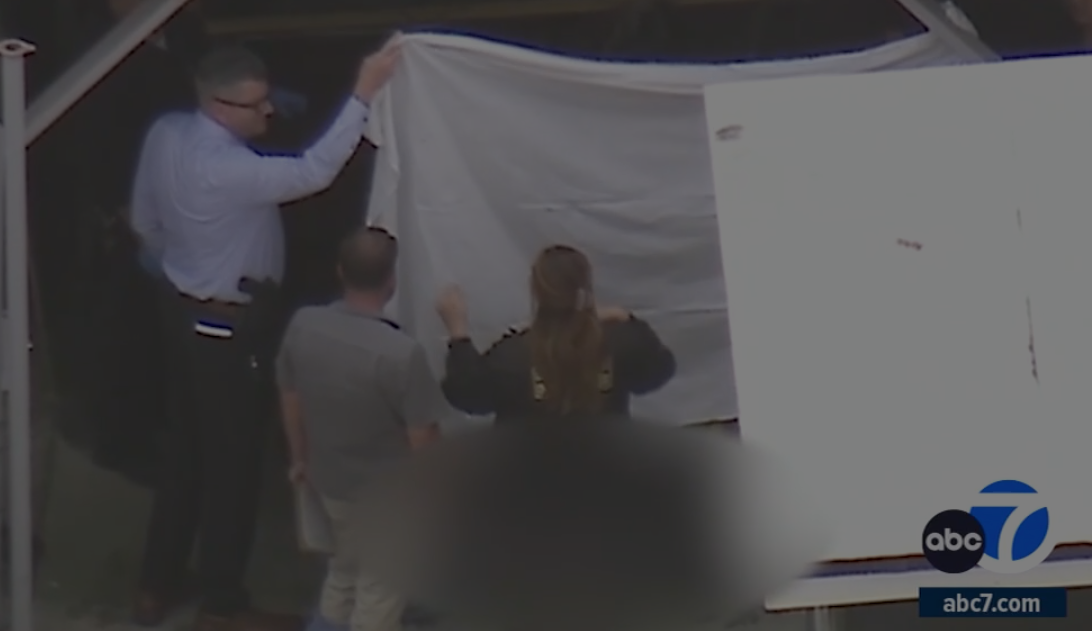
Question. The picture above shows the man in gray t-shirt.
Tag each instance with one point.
(357, 395)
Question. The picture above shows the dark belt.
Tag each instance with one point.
(221, 307)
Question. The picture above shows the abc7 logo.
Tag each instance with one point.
(955, 541)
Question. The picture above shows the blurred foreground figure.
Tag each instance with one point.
(586, 525)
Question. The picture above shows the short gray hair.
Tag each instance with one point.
(227, 67)
(367, 258)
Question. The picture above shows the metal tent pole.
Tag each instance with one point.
(933, 16)
(97, 62)
(821, 620)
(16, 339)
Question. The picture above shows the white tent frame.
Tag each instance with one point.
(22, 126)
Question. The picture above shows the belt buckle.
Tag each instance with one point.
(227, 307)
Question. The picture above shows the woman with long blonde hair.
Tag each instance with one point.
(574, 359)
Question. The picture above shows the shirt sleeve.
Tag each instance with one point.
(645, 363)
(251, 178)
(416, 394)
(470, 382)
(143, 218)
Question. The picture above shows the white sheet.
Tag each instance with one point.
(489, 152)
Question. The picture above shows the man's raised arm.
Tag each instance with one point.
(254, 178)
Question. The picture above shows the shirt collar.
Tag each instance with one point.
(344, 307)
(211, 127)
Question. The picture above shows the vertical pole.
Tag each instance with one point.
(821, 620)
(16, 340)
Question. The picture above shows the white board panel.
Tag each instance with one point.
(898, 380)
(1053, 146)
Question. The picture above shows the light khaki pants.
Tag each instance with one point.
(350, 597)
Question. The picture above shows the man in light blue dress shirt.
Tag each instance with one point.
(205, 207)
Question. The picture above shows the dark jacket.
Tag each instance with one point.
(500, 381)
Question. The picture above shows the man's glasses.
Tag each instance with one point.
(255, 105)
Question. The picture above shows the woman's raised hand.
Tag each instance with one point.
(451, 306)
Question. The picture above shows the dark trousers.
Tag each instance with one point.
(127, 399)
(221, 393)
